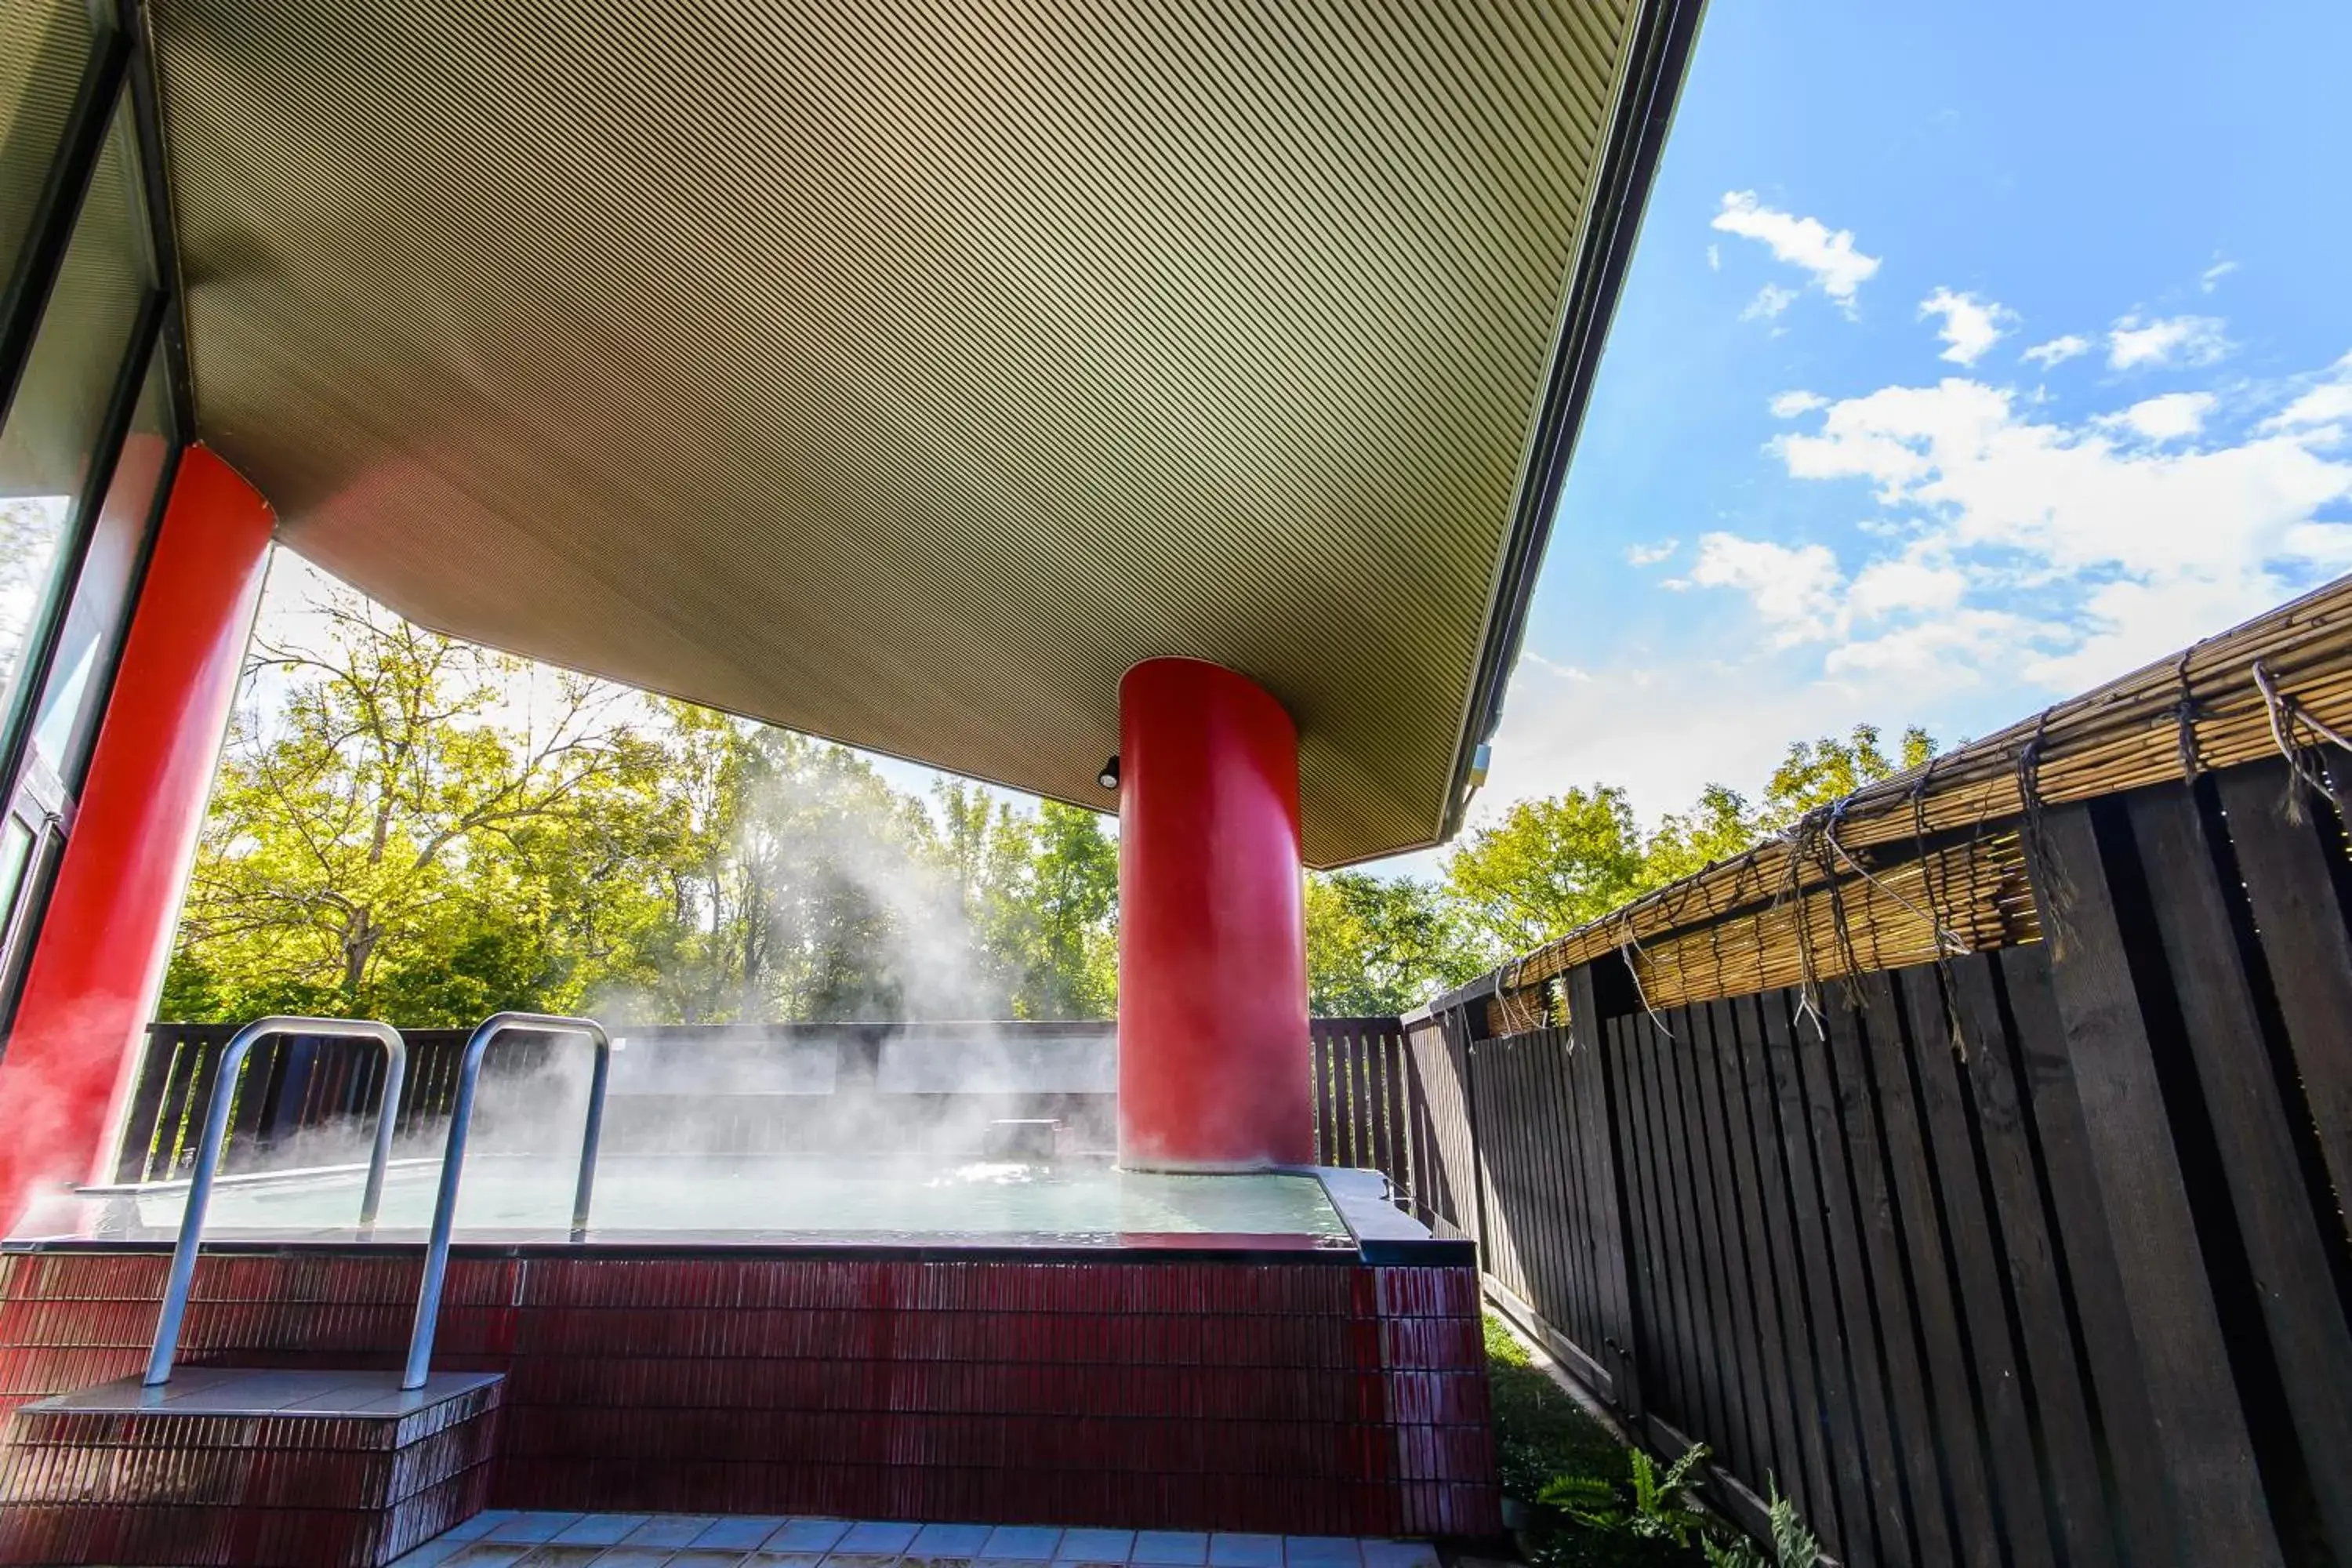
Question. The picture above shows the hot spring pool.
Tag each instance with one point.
(763, 1198)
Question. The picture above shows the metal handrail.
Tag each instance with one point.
(216, 1133)
(461, 1117)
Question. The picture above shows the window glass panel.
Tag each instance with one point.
(15, 848)
(44, 45)
(73, 699)
(45, 449)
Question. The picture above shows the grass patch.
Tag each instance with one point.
(1540, 1433)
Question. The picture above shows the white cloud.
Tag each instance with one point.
(2166, 418)
(1651, 554)
(1565, 671)
(2212, 277)
(2327, 404)
(1769, 302)
(1905, 584)
(2326, 545)
(1715, 258)
(2009, 555)
(1970, 325)
(2057, 350)
(1801, 594)
(1837, 268)
(2116, 538)
(2175, 340)
(2011, 558)
(1948, 650)
(2323, 407)
(1794, 588)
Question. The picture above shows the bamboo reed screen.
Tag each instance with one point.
(1930, 863)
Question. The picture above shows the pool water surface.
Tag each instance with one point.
(766, 1195)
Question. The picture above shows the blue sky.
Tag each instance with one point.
(1804, 496)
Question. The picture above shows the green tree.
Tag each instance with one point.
(794, 883)
(988, 848)
(1721, 824)
(1546, 868)
(1378, 944)
(415, 828)
(1816, 773)
(412, 827)
(1072, 968)
(360, 855)
(1717, 828)
(1039, 893)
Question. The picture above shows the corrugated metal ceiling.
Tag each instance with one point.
(904, 374)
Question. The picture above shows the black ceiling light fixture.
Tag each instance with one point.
(1109, 777)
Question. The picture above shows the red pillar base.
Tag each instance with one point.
(1212, 1049)
(107, 936)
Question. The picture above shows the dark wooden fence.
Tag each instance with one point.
(293, 1084)
(290, 1084)
(1363, 1110)
(726, 1096)
(2029, 1257)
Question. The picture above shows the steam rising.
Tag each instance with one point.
(826, 897)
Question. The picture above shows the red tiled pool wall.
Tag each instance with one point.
(1299, 1397)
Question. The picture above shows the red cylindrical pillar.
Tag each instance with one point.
(99, 958)
(1213, 1054)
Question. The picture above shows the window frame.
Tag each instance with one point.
(44, 793)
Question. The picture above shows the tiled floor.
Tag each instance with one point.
(503, 1539)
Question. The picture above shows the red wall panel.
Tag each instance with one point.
(1299, 1397)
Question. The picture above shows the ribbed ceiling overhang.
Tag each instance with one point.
(905, 373)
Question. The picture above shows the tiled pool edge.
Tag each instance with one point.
(846, 1543)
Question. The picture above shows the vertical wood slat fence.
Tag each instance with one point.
(730, 1098)
(1365, 1108)
(292, 1084)
(2031, 1257)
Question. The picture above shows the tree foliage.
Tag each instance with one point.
(1817, 772)
(1551, 866)
(410, 827)
(369, 851)
(1379, 945)
(1546, 868)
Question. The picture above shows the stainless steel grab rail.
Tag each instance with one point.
(461, 1118)
(216, 1133)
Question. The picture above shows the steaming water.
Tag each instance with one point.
(787, 1196)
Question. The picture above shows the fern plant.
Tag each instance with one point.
(1793, 1546)
(1589, 1500)
(1655, 1505)
(1658, 1507)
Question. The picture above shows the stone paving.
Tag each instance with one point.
(502, 1538)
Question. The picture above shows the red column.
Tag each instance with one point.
(103, 945)
(1213, 1054)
